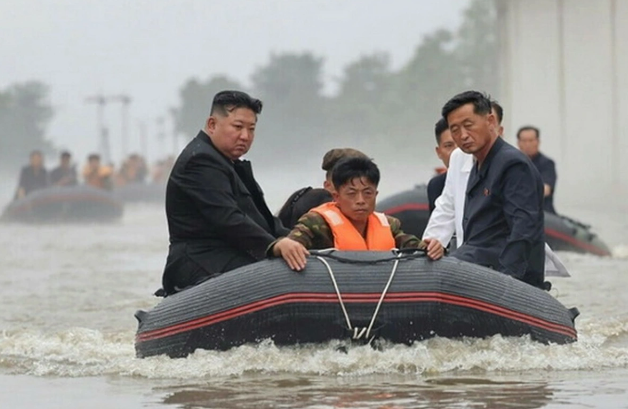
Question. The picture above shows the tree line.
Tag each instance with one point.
(390, 111)
(393, 112)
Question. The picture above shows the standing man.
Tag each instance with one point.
(503, 212)
(33, 176)
(65, 173)
(217, 216)
(528, 140)
(444, 146)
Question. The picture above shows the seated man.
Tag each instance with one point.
(348, 223)
(33, 176)
(218, 219)
(528, 140)
(65, 173)
(444, 146)
(503, 212)
(97, 175)
(301, 201)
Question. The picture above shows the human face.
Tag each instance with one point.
(472, 133)
(65, 161)
(36, 160)
(528, 142)
(232, 134)
(445, 147)
(356, 199)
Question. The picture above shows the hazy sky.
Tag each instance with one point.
(149, 48)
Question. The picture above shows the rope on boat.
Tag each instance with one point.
(364, 332)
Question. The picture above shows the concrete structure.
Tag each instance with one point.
(565, 69)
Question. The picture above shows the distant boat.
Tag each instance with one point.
(141, 193)
(561, 233)
(64, 204)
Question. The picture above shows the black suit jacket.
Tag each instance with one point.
(503, 216)
(547, 169)
(434, 189)
(217, 216)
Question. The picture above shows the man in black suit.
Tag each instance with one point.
(444, 146)
(503, 212)
(528, 140)
(33, 176)
(217, 216)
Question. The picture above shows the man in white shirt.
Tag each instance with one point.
(446, 219)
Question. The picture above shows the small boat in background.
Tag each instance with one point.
(65, 204)
(561, 233)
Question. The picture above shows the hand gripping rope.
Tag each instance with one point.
(364, 332)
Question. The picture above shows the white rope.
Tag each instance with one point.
(333, 280)
(359, 333)
(381, 299)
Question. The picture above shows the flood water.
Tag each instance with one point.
(67, 330)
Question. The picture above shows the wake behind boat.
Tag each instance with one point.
(64, 204)
(351, 295)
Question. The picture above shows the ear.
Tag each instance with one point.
(327, 185)
(500, 130)
(210, 124)
(335, 195)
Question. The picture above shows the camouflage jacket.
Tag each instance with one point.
(314, 233)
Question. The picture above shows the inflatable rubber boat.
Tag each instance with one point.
(360, 296)
(561, 233)
(64, 204)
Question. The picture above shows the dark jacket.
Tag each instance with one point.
(217, 217)
(301, 202)
(30, 181)
(435, 188)
(63, 176)
(547, 169)
(503, 216)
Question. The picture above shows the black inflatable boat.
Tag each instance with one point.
(64, 204)
(561, 233)
(351, 295)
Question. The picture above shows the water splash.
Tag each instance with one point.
(81, 352)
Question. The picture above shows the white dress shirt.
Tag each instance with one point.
(446, 219)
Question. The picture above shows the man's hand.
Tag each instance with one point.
(435, 250)
(547, 190)
(293, 252)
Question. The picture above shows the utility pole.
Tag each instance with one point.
(175, 136)
(103, 135)
(125, 100)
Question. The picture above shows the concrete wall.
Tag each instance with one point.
(565, 69)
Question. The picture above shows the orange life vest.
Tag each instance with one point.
(346, 236)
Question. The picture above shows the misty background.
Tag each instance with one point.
(367, 74)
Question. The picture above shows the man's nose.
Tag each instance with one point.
(360, 198)
(246, 134)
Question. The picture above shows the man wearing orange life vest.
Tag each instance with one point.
(349, 222)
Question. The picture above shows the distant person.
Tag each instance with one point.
(528, 140)
(301, 201)
(349, 222)
(97, 175)
(132, 171)
(218, 219)
(503, 213)
(444, 146)
(33, 176)
(65, 173)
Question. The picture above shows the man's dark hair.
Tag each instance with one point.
(226, 101)
(529, 128)
(65, 155)
(440, 127)
(333, 156)
(498, 110)
(348, 169)
(93, 156)
(481, 103)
